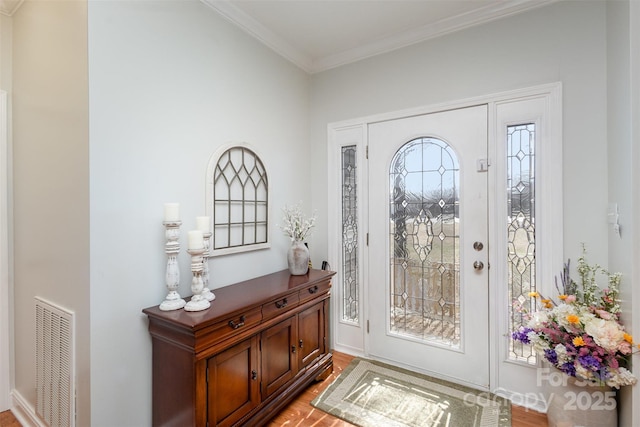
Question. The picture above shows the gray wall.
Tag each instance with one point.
(622, 188)
(50, 180)
(584, 45)
(564, 42)
(170, 83)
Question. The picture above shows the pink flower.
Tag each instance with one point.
(606, 333)
(570, 299)
(613, 363)
(624, 347)
(603, 314)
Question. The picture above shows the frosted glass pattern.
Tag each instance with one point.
(521, 243)
(424, 224)
(349, 235)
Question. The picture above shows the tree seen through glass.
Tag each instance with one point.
(424, 225)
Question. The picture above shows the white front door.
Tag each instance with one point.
(428, 278)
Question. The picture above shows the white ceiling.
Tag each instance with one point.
(318, 35)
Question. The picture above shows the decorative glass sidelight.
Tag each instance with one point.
(349, 235)
(424, 227)
(521, 243)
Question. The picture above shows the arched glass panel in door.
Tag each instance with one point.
(424, 224)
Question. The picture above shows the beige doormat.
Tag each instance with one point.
(369, 393)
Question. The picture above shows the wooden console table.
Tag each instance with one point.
(262, 342)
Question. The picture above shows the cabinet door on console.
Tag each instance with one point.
(311, 335)
(279, 360)
(233, 387)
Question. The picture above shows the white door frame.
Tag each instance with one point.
(351, 337)
(517, 380)
(5, 308)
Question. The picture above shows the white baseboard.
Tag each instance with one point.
(529, 401)
(24, 412)
(352, 351)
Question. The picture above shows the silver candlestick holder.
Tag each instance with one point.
(206, 292)
(173, 301)
(198, 302)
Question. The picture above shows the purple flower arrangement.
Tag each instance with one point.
(581, 334)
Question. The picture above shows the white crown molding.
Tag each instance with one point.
(494, 11)
(428, 31)
(260, 32)
(9, 7)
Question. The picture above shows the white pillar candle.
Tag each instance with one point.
(202, 223)
(171, 212)
(196, 240)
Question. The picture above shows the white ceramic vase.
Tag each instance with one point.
(298, 258)
(576, 403)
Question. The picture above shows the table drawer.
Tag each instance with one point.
(230, 326)
(311, 291)
(273, 308)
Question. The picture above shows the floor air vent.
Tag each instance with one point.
(55, 375)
